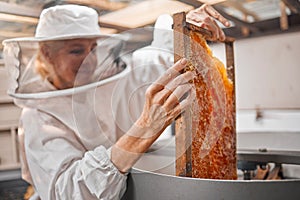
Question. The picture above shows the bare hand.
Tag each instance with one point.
(205, 17)
(164, 99)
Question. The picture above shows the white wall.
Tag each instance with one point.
(267, 71)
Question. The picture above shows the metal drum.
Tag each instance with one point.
(153, 178)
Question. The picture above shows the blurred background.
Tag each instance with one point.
(266, 54)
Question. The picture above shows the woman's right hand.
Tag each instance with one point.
(165, 100)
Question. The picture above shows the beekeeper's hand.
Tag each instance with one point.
(166, 98)
(205, 17)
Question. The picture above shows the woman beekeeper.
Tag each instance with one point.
(78, 136)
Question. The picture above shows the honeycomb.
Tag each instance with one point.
(213, 145)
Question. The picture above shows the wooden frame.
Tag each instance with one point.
(183, 125)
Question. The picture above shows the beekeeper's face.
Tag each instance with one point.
(69, 66)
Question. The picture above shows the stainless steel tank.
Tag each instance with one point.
(153, 178)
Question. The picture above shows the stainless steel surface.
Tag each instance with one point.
(148, 185)
(153, 178)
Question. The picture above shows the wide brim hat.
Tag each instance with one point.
(64, 22)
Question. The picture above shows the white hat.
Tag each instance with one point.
(65, 22)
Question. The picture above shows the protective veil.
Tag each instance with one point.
(66, 135)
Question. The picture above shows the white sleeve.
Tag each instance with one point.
(61, 168)
(92, 176)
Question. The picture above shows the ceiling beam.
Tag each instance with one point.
(284, 24)
(293, 5)
(14, 9)
(99, 4)
(238, 6)
(237, 22)
(141, 14)
(18, 18)
(108, 30)
(267, 27)
(194, 3)
(211, 2)
(14, 34)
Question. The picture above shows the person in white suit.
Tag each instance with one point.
(78, 134)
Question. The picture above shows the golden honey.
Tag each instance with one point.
(213, 144)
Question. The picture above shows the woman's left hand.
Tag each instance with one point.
(205, 17)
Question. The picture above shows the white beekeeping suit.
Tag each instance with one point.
(158, 56)
(160, 52)
(66, 135)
